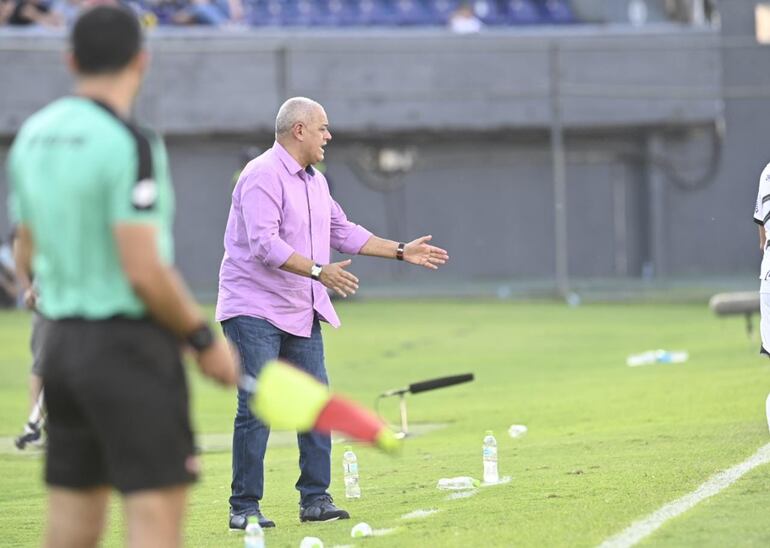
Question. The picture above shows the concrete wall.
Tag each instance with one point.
(396, 81)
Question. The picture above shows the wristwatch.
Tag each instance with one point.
(315, 272)
(200, 338)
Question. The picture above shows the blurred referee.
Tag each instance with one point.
(92, 197)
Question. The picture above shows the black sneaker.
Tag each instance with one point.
(31, 436)
(238, 521)
(322, 509)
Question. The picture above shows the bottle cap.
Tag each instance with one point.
(252, 519)
(348, 448)
(490, 433)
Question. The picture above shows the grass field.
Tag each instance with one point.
(607, 444)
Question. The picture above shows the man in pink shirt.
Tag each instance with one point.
(273, 292)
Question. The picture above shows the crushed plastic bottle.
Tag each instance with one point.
(311, 542)
(657, 356)
(362, 529)
(458, 483)
(517, 430)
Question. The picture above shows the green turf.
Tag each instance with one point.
(607, 444)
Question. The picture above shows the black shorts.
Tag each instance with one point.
(117, 402)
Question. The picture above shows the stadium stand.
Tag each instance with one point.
(344, 13)
(323, 13)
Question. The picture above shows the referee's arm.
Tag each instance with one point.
(22, 258)
(166, 297)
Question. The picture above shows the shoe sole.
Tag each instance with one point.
(323, 520)
(236, 530)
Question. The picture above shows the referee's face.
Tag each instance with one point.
(317, 136)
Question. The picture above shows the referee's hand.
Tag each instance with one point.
(219, 363)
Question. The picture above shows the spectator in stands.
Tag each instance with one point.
(197, 12)
(31, 12)
(464, 20)
(6, 9)
(69, 10)
(691, 11)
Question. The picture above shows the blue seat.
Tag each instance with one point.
(374, 12)
(523, 12)
(556, 12)
(413, 13)
(442, 10)
(303, 13)
(489, 11)
(337, 13)
(265, 13)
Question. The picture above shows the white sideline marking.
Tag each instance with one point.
(417, 514)
(648, 525)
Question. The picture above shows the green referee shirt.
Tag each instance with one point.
(76, 170)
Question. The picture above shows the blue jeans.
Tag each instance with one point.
(258, 341)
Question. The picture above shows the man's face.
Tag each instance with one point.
(316, 137)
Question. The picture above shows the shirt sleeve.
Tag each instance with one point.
(261, 197)
(762, 205)
(132, 185)
(346, 237)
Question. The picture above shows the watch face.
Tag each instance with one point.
(201, 338)
(315, 271)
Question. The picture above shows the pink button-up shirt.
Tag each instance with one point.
(278, 208)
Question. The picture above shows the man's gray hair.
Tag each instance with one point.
(296, 109)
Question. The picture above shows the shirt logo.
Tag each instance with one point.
(145, 194)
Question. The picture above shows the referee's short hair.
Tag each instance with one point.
(105, 39)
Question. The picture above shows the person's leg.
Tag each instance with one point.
(258, 342)
(764, 323)
(314, 448)
(32, 428)
(78, 482)
(75, 517)
(206, 13)
(32, 432)
(35, 386)
(154, 518)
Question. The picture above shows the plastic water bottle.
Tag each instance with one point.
(255, 536)
(350, 468)
(657, 356)
(489, 453)
(668, 356)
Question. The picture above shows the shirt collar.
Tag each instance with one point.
(290, 163)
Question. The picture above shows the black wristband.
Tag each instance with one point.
(400, 251)
(200, 338)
